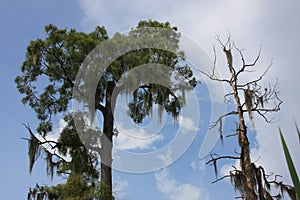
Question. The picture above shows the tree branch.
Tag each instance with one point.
(41, 143)
(222, 157)
(219, 179)
(243, 60)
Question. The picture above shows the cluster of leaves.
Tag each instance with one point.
(55, 62)
(70, 145)
(76, 188)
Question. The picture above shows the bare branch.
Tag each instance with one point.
(243, 60)
(231, 135)
(219, 179)
(256, 80)
(221, 157)
(211, 77)
(219, 120)
(227, 41)
(226, 100)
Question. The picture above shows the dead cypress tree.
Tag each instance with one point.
(249, 98)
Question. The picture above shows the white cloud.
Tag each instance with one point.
(193, 165)
(225, 169)
(120, 189)
(54, 136)
(135, 138)
(198, 165)
(166, 158)
(187, 124)
(177, 191)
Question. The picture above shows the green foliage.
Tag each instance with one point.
(290, 163)
(83, 162)
(104, 192)
(48, 79)
(54, 61)
(76, 188)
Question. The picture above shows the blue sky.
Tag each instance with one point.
(274, 24)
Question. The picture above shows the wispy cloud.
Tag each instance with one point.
(175, 190)
(135, 139)
(193, 165)
(121, 189)
(166, 158)
(188, 124)
(198, 165)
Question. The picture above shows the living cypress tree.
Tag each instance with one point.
(53, 62)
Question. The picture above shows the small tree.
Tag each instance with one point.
(250, 98)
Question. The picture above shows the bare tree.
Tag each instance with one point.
(250, 97)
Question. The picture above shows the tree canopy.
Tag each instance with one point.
(48, 80)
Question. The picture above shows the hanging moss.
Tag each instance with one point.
(237, 180)
(249, 96)
(50, 164)
(33, 151)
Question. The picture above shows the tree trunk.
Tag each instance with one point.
(247, 166)
(106, 145)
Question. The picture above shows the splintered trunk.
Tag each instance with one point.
(106, 148)
(248, 168)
